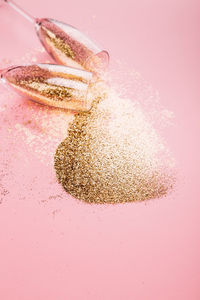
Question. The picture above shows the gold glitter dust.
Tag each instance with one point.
(112, 154)
(61, 45)
(57, 93)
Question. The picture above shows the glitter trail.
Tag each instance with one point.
(112, 154)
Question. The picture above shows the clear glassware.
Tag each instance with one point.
(53, 85)
(66, 44)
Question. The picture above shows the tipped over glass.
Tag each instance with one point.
(52, 85)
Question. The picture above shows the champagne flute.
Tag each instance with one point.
(66, 44)
(53, 85)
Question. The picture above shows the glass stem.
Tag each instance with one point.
(20, 10)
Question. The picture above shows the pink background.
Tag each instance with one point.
(65, 249)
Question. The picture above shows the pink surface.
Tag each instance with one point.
(55, 247)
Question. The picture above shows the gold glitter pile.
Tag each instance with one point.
(112, 154)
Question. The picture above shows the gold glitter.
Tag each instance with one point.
(58, 43)
(51, 91)
(112, 154)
